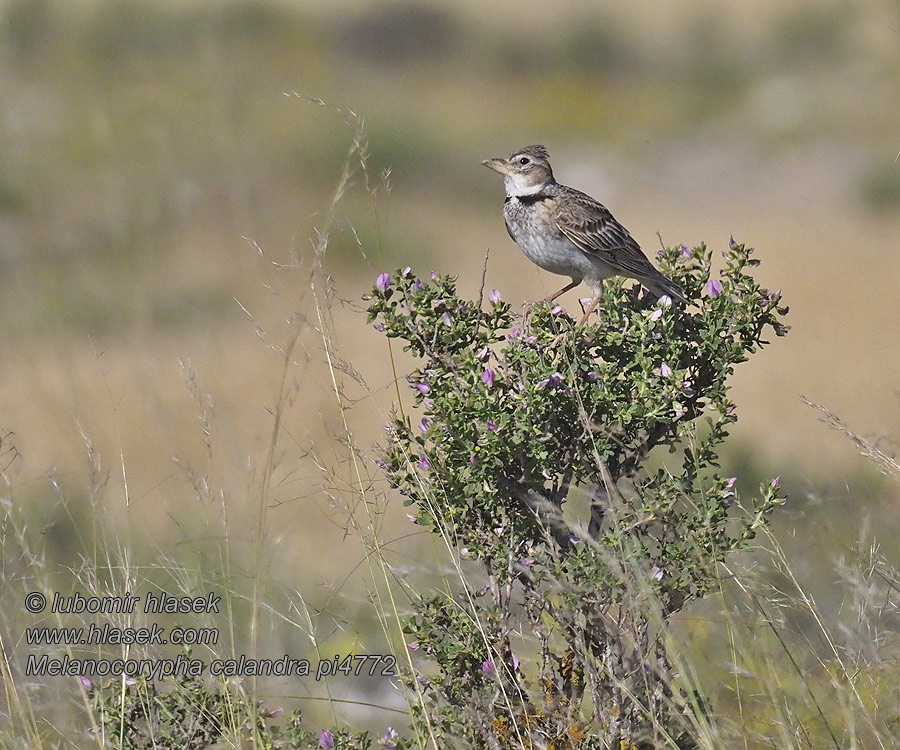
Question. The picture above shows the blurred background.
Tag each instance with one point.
(166, 174)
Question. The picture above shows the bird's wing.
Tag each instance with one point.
(593, 229)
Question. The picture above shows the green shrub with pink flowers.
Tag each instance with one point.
(573, 473)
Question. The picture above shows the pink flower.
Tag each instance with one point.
(656, 314)
(490, 426)
(713, 287)
(86, 683)
(382, 282)
(483, 354)
(488, 668)
(413, 645)
(665, 370)
(487, 377)
(326, 740)
(554, 380)
(406, 271)
(389, 738)
(446, 319)
(424, 463)
(494, 296)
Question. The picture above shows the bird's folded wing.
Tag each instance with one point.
(592, 228)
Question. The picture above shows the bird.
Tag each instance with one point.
(567, 232)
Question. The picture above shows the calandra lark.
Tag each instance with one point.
(567, 232)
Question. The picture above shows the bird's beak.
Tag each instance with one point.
(498, 165)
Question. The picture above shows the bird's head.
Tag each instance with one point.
(525, 171)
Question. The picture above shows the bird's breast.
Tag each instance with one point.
(533, 229)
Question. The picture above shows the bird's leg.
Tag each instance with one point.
(591, 308)
(547, 300)
(562, 336)
(575, 282)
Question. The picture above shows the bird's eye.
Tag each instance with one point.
(524, 160)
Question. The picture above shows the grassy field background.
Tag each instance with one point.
(165, 176)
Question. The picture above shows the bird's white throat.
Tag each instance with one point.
(519, 184)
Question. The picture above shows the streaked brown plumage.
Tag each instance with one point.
(567, 232)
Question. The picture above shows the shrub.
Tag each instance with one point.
(520, 422)
(194, 713)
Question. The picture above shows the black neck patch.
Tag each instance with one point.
(527, 200)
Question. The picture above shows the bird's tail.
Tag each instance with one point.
(660, 285)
